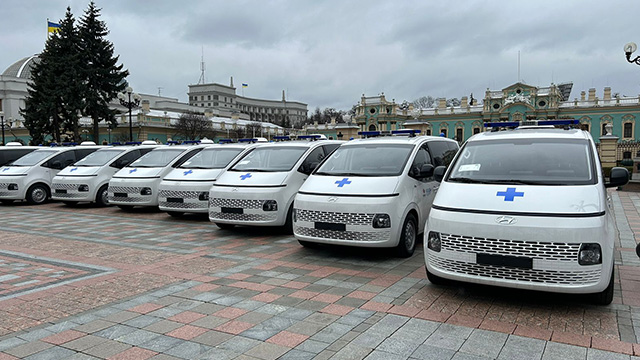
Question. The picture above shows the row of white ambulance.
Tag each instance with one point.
(526, 208)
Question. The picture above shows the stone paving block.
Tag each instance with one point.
(484, 343)
(239, 344)
(332, 332)
(36, 334)
(54, 352)
(296, 354)
(84, 343)
(137, 337)
(212, 338)
(81, 356)
(94, 326)
(267, 351)
(107, 349)
(30, 348)
(312, 346)
(559, 351)
(163, 326)
(381, 355)
(595, 354)
(429, 352)
(465, 356)
(188, 350)
(161, 343)
(141, 321)
(449, 336)
(517, 347)
(121, 316)
(115, 331)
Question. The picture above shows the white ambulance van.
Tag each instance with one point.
(29, 177)
(137, 183)
(186, 188)
(88, 179)
(528, 209)
(372, 192)
(259, 188)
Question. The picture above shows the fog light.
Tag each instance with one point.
(381, 221)
(433, 241)
(83, 188)
(270, 205)
(145, 191)
(12, 187)
(590, 254)
(204, 196)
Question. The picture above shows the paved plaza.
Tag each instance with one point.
(100, 283)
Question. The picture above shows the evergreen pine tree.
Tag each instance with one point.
(103, 78)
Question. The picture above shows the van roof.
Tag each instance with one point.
(532, 133)
(399, 139)
(302, 143)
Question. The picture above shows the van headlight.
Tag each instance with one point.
(381, 221)
(145, 191)
(270, 205)
(433, 241)
(12, 187)
(203, 196)
(590, 254)
(83, 188)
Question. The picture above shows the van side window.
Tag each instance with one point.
(126, 159)
(186, 157)
(422, 158)
(80, 153)
(441, 153)
(312, 160)
(61, 160)
(328, 149)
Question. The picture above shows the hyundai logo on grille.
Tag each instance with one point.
(506, 220)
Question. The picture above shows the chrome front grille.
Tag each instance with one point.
(270, 216)
(4, 186)
(531, 249)
(125, 189)
(70, 195)
(556, 277)
(235, 203)
(179, 194)
(334, 217)
(360, 236)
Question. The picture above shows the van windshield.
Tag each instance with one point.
(270, 159)
(525, 161)
(99, 158)
(367, 160)
(212, 158)
(157, 158)
(33, 158)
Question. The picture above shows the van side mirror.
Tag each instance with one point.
(438, 173)
(426, 171)
(619, 176)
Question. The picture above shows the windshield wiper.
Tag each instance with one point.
(468, 180)
(515, 182)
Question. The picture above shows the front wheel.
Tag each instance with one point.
(408, 236)
(175, 214)
(37, 194)
(605, 297)
(102, 197)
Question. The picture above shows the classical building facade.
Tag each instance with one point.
(224, 98)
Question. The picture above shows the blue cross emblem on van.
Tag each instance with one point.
(132, 171)
(5, 169)
(510, 194)
(343, 182)
(245, 176)
(188, 172)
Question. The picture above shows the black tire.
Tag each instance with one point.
(37, 194)
(605, 297)
(408, 237)
(435, 279)
(102, 196)
(70, 203)
(309, 244)
(6, 202)
(125, 207)
(225, 226)
(175, 214)
(287, 228)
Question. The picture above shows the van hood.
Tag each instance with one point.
(79, 171)
(501, 198)
(193, 174)
(137, 172)
(252, 178)
(14, 170)
(350, 185)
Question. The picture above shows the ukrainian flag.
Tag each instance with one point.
(245, 85)
(52, 27)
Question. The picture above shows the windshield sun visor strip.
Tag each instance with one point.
(516, 213)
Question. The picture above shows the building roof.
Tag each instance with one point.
(22, 67)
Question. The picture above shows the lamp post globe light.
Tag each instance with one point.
(629, 49)
(130, 100)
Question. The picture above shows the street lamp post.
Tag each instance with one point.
(2, 124)
(629, 49)
(109, 131)
(127, 101)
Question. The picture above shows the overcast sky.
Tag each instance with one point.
(329, 53)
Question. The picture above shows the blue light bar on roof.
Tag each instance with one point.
(191, 142)
(309, 137)
(369, 133)
(115, 143)
(133, 143)
(559, 122)
(282, 138)
(172, 142)
(406, 132)
(502, 124)
(247, 140)
(225, 141)
(53, 144)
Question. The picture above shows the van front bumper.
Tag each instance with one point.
(7, 182)
(346, 220)
(68, 189)
(245, 205)
(129, 191)
(541, 253)
(184, 196)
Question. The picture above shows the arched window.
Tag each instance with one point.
(627, 130)
(443, 132)
(372, 127)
